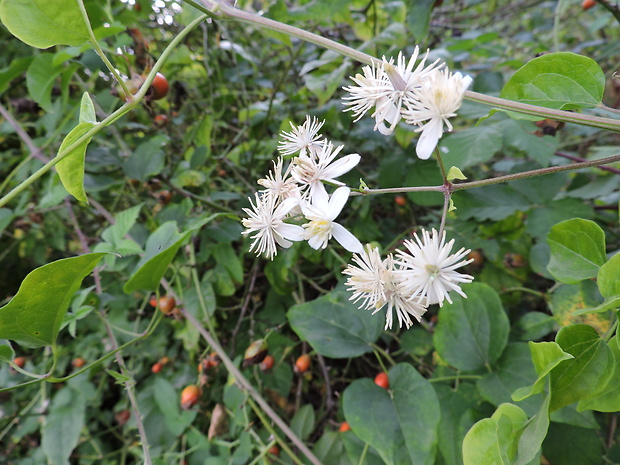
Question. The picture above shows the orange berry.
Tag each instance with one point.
(400, 200)
(274, 450)
(19, 361)
(190, 396)
(164, 360)
(160, 121)
(476, 256)
(302, 364)
(267, 363)
(587, 4)
(156, 368)
(159, 87)
(78, 362)
(166, 304)
(381, 380)
(153, 301)
(344, 426)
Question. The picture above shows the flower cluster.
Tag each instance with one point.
(425, 96)
(294, 204)
(409, 283)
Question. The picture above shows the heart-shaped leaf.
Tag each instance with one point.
(400, 422)
(335, 327)
(33, 317)
(472, 332)
(45, 23)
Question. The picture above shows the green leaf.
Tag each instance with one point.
(123, 222)
(401, 422)
(570, 445)
(493, 440)
(225, 255)
(40, 79)
(472, 333)
(419, 17)
(546, 356)
(607, 278)
(472, 146)
(587, 373)
(33, 317)
(541, 219)
(610, 303)
(161, 247)
(334, 326)
(147, 160)
(456, 407)
(514, 369)
(608, 400)
(64, 423)
(577, 250)
(455, 173)
(87, 110)
(533, 435)
(6, 352)
(490, 203)
(177, 420)
(118, 377)
(71, 167)
(43, 23)
(323, 85)
(15, 69)
(302, 423)
(563, 80)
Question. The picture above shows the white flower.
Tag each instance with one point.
(386, 87)
(280, 185)
(302, 138)
(321, 214)
(267, 220)
(432, 104)
(374, 282)
(313, 169)
(428, 272)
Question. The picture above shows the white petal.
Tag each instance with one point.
(341, 166)
(427, 142)
(336, 203)
(346, 239)
(292, 232)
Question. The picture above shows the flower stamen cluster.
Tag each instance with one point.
(425, 96)
(298, 194)
(409, 284)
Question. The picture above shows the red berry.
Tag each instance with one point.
(400, 200)
(166, 304)
(19, 361)
(267, 363)
(159, 87)
(344, 426)
(587, 4)
(153, 301)
(302, 364)
(190, 396)
(156, 368)
(274, 450)
(381, 380)
(122, 417)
